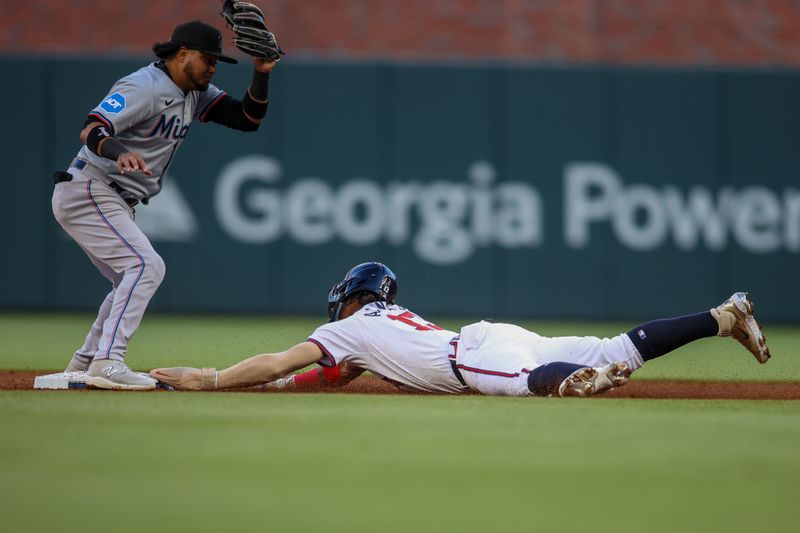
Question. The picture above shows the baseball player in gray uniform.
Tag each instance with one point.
(369, 331)
(130, 139)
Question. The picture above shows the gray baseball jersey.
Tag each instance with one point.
(149, 115)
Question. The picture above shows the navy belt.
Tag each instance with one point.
(127, 196)
(457, 372)
(452, 356)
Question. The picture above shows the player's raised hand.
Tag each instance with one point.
(264, 65)
(132, 162)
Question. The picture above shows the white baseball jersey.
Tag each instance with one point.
(493, 359)
(394, 343)
(151, 116)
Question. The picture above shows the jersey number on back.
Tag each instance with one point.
(408, 318)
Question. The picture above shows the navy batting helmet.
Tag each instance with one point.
(375, 278)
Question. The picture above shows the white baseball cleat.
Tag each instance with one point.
(736, 319)
(589, 381)
(115, 375)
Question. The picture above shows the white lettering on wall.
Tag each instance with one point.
(445, 222)
(264, 227)
(645, 217)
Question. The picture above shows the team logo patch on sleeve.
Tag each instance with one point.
(114, 103)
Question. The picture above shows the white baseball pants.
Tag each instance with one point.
(496, 359)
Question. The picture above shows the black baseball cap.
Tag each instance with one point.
(197, 35)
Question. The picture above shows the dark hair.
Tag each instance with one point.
(166, 50)
(364, 297)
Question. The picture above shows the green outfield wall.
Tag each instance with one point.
(494, 190)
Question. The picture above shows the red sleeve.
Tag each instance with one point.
(319, 376)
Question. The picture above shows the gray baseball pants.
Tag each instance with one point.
(102, 224)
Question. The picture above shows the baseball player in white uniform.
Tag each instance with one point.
(130, 139)
(369, 331)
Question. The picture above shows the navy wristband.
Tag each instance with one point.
(100, 142)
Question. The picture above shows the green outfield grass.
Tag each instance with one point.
(94, 460)
(234, 462)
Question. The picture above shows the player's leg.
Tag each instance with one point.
(83, 356)
(142, 271)
(142, 274)
(662, 336)
(69, 215)
(102, 224)
(504, 359)
(610, 361)
(734, 317)
(645, 342)
(642, 343)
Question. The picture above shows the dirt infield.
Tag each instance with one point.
(733, 390)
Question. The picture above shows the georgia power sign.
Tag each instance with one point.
(446, 221)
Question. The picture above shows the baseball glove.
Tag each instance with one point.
(251, 34)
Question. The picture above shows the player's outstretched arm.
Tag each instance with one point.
(253, 371)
